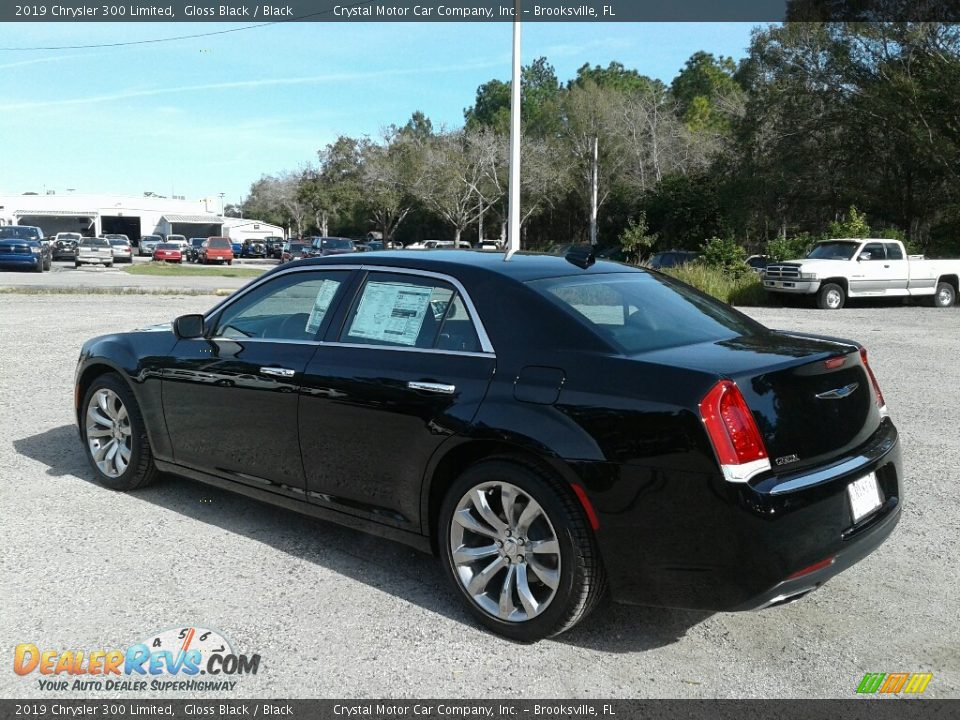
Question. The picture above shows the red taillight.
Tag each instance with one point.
(873, 380)
(825, 563)
(834, 362)
(733, 432)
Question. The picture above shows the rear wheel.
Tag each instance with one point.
(945, 296)
(115, 437)
(517, 547)
(831, 297)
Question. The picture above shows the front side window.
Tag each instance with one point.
(875, 250)
(402, 310)
(291, 307)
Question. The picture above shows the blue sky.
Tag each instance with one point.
(203, 116)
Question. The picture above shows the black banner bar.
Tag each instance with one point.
(273, 11)
(116, 709)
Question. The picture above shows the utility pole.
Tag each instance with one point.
(513, 227)
(593, 195)
(480, 225)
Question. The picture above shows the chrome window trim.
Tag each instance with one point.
(478, 326)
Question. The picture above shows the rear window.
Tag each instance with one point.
(640, 312)
(94, 242)
(221, 243)
(168, 246)
(119, 242)
(336, 244)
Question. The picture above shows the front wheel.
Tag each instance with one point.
(831, 297)
(517, 546)
(945, 296)
(115, 437)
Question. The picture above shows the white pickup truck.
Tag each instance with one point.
(851, 267)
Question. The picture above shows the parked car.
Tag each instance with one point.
(616, 428)
(237, 247)
(64, 246)
(148, 244)
(118, 236)
(292, 251)
(216, 249)
(491, 245)
(180, 240)
(21, 246)
(323, 246)
(253, 249)
(193, 249)
(671, 259)
(122, 252)
(168, 252)
(438, 245)
(274, 246)
(374, 245)
(757, 263)
(835, 270)
(94, 251)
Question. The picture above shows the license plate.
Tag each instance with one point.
(864, 496)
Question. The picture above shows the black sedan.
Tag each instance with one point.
(549, 427)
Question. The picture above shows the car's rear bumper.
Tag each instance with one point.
(94, 260)
(703, 543)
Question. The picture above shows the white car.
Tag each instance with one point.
(180, 240)
(852, 267)
(122, 250)
(94, 251)
(148, 243)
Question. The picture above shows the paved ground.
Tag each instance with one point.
(64, 274)
(336, 613)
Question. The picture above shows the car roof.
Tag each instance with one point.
(521, 267)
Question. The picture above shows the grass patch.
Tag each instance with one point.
(80, 290)
(746, 291)
(163, 269)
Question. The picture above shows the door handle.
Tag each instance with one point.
(886, 266)
(438, 388)
(278, 372)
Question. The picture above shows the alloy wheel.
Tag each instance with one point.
(109, 436)
(833, 299)
(505, 551)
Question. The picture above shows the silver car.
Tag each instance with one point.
(122, 251)
(94, 251)
(148, 244)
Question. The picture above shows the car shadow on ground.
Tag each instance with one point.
(388, 566)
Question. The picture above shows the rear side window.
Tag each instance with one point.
(401, 310)
(640, 312)
(893, 251)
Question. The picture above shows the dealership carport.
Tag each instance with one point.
(54, 221)
(191, 225)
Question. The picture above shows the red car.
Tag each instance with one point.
(216, 249)
(168, 252)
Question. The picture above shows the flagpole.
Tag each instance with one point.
(513, 220)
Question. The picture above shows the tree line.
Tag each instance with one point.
(816, 119)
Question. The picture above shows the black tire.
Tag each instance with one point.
(945, 295)
(76, 264)
(831, 297)
(582, 581)
(141, 470)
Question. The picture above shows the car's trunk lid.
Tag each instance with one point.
(812, 398)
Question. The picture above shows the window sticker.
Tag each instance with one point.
(328, 288)
(391, 312)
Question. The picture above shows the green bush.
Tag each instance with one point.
(853, 225)
(791, 248)
(745, 290)
(726, 255)
(636, 240)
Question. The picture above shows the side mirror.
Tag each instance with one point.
(188, 327)
(864, 256)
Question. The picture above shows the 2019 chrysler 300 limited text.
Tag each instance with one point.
(549, 428)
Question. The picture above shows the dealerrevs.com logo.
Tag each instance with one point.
(190, 659)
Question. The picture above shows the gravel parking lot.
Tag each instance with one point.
(334, 613)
